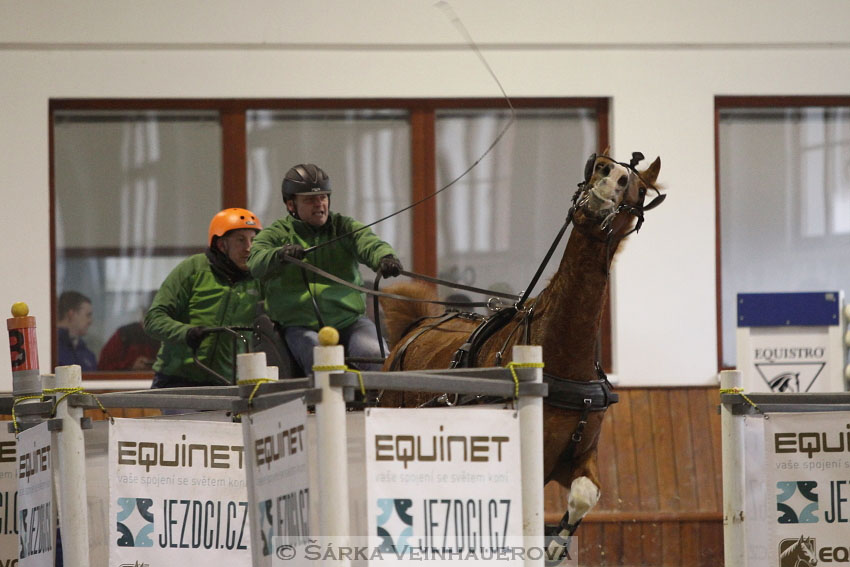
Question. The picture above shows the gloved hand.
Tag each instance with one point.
(292, 250)
(390, 266)
(195, 336)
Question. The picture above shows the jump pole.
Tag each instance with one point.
(332, 447)
(530, 409)
(732, 428)
(71, 472)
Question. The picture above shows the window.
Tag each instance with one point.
(135, 183)
(783, 200)
(497, 223)
(134, 192)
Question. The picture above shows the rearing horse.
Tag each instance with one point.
(564, 319)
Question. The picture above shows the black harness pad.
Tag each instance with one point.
(571, 394)
(467, 355)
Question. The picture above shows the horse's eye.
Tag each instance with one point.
(642, 191)
(623, 180)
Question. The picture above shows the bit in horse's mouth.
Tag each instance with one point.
(599, 203)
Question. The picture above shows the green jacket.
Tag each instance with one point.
(194, 295)
(287, 299)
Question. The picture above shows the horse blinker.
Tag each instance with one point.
(588, 168)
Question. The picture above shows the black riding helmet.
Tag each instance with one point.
(305, 179)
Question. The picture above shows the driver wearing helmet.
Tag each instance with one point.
(212, 289)
(301, 302)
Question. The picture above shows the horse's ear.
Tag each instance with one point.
(606, 151)
(650, 174)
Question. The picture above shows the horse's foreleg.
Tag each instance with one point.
(584, 495)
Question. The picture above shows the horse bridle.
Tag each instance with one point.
(582, 195)
(637, 210)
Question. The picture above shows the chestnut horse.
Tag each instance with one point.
(566, 319)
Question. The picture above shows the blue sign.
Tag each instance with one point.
(821, 308)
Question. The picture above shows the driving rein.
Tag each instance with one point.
(573, 395)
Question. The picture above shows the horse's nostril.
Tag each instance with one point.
(623, 180)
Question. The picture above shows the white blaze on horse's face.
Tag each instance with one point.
(607, 185)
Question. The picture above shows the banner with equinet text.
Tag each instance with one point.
(276, 449)
(444, 485)
(807, 457)
(36, 507)
(177, 493)
(8, 497)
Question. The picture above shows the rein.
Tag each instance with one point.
(579, 198)
(546, 258)
(311, 268)
(466, 354)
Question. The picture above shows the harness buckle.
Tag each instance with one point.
(577, 434)
(461, 356)
(444, 399)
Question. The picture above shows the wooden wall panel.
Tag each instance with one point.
(659, 464)
(620, 425)
(608, 458)
(684, 453)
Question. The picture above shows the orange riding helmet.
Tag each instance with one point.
(232, 219)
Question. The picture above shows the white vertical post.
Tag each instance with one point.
(530, 409)
(251, 366)
(332, 453)
(732, 428)
(71, 473)
(253, 520)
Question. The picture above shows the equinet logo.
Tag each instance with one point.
(799, 552)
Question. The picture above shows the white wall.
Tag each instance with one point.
(661, 64)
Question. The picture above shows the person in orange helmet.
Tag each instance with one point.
(212, 289)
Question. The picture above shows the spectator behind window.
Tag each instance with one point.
(74, 319)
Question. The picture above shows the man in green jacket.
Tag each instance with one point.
(213, 289)
(302, 302)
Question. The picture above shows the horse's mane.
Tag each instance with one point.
(798, 546)
(399, 314)
(789, 550)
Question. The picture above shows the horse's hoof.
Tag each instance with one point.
(558, 551)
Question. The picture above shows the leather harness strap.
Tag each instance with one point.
(398, 360)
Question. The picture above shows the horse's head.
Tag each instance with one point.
(798, 553)
(807, 557)
(613, 194)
